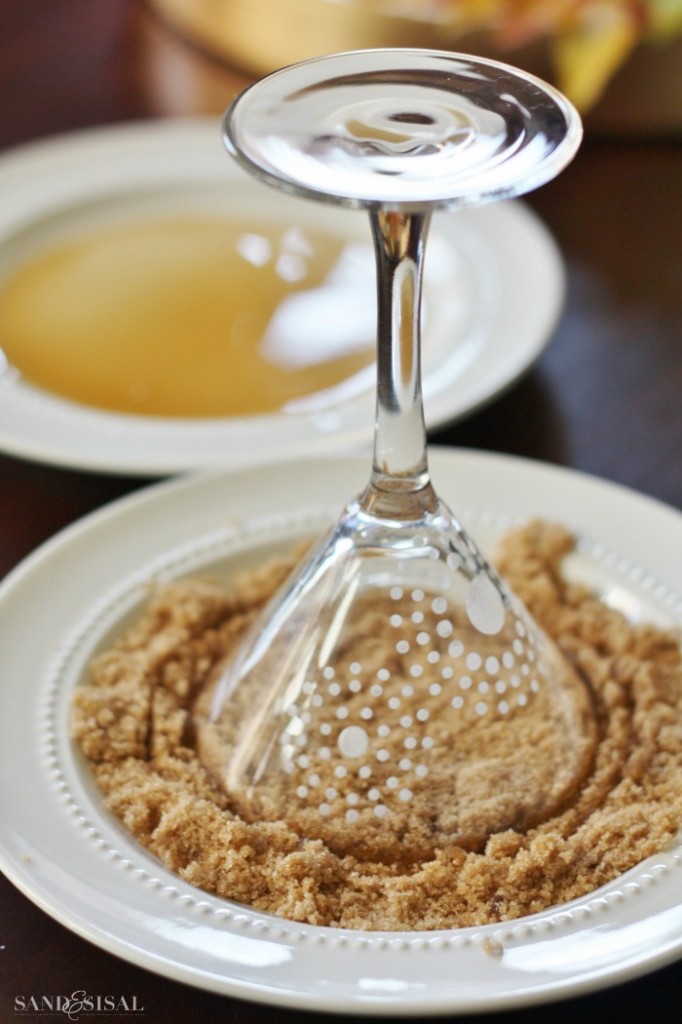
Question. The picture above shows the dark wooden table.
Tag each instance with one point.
(606, 398)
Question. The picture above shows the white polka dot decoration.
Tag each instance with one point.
(411, 702)
(369, 731)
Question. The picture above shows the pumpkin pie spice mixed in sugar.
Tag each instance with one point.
(132, 720)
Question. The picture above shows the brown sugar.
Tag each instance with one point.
(405, 740)
(133, 720)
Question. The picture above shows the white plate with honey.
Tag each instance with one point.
(160, 311)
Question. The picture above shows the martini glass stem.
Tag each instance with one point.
(399, 486)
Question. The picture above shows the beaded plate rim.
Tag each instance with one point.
(487, 949)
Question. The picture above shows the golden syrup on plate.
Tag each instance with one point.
(191, 317)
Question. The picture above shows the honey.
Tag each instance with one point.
(192, 317)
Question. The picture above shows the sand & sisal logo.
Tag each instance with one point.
(77, 1006)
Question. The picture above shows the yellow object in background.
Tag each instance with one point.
(581, 45)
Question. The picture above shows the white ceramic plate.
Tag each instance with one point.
(494, 287)
(80, 866)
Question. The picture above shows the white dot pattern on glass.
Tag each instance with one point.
(484, 605)
(353, 741)
(382, 723)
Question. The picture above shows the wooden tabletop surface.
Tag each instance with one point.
(605, 398)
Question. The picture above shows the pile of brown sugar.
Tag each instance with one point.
(133, 722)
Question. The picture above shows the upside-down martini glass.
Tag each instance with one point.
(395, 697)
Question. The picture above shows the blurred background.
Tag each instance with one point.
(618, 60)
